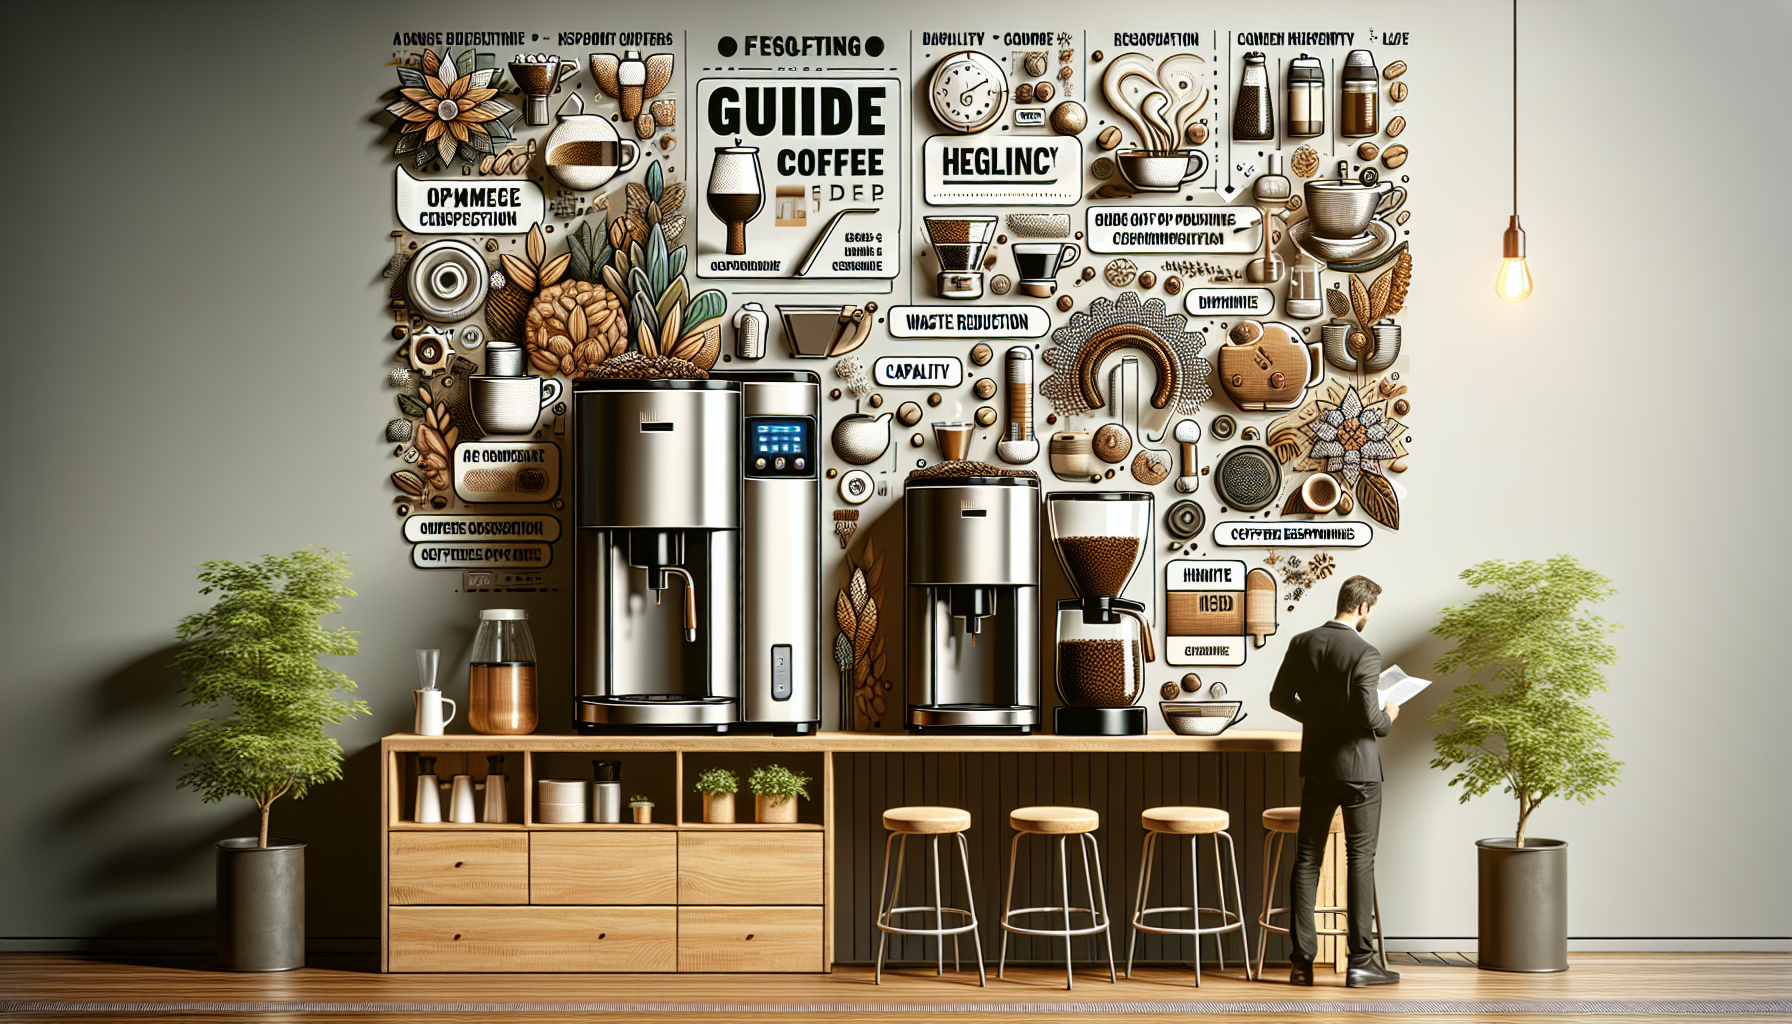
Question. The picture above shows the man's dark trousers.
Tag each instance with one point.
(1319, 799)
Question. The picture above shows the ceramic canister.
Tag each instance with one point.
(562, 800)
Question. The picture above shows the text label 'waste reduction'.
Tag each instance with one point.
(959, 322)
(1192, 229)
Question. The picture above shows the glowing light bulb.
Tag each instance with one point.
(1514, 282)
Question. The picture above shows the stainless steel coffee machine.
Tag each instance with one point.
(972, 611)
(697, 554)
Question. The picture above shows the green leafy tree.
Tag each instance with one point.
(1527, 727)
(253, 654)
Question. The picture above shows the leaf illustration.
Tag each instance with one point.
(705, 305)
(861, 641)
(410, 406)
(649, 346)
(1359, 302)
(1376, 494)
(1402, 280)
(669, 332)
(844, 615)
(671, 198)
(521, 274)
(613, 281)
(673, 299)
(555, 269)
(1378, 294)
(638, 199)
(843, 652)
(656, 180)
(537, 246)
(857, 589)
(656, 260)
(423, 394)
(877, 666)
(876, 575)
(673, 225)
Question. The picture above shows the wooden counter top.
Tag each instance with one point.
(1233, 741)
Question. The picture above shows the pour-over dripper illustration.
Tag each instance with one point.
(959, 246)
(538, 76)
(736, 192)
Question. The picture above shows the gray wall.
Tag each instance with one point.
(195, 335)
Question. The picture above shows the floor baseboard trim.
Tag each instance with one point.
(175, 945)
(1660, 944)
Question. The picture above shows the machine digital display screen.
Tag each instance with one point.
(781, 446)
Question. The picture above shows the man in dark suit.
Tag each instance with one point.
(1328, 684)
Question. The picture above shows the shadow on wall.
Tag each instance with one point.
(1406, 750)
(136, 861)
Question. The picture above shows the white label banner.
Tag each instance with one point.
(1209, 302)
(918, 372)
(1345, 534)
(481, 556)
(466, 206)
(418, 529)
(516, 471)
(982, 169)
(826, 156)
(969, 321)
(1189, 229)
(1185, 574)
(1205, 650)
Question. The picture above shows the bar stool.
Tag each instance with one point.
(931, 822)
(1061, 822)
(1193, 822)
(1282, 824)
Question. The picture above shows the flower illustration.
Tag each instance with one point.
(1351, 437)
(447, 109)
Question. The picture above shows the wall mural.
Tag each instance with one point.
(1141, 290)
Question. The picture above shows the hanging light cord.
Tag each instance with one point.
(1514, 108)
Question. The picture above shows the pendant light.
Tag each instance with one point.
(1514, 282)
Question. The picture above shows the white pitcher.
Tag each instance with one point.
(429, 712)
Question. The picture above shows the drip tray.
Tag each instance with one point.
(655, 711)
(1023, 718)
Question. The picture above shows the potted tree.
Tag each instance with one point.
(642, 807)
(775, 792)
(254, 656)
(1522, 722)
(718, 786)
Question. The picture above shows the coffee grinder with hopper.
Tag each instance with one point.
(1103, 639)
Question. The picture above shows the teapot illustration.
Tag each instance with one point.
(1266, 366)
(861, 438)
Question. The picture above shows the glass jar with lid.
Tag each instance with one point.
(501, 697)
(1359, 114)
(1306, 97)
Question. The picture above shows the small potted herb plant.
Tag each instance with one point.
(1523, 723)
(252, 659)
(776, 790)
(718, 786)
(642, 806)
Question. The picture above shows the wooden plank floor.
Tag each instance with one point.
(1598, 987)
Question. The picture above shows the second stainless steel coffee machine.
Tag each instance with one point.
(973, 602)
(697, 552)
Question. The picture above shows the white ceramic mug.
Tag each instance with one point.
(512, 405)
(429, 712)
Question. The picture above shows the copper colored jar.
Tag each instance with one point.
(501, 697)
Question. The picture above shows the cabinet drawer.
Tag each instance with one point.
(749, 867)
(470, 939)
(603, 867)
(760, 939)
(462, 867)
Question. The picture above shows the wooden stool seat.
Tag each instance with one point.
(1287, 819)
(1054, 820)
(1186, 821)
(927, 821)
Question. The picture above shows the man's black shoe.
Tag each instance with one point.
(1300, 973)
(1368, 973)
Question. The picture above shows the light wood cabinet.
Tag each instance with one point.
(764, 939)
(466, 868)
(603, 867)
(473, 939)
(750, 868)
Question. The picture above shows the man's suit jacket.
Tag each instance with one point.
(1327, 683)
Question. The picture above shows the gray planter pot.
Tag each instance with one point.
(1524, 905)
(261, 905)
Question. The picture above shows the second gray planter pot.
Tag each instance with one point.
(1524, 905)
(261, 905)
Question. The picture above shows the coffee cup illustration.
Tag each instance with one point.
(511, 405)
(537, 79)
(584, 151)
(1038, 264)
(1152, 171)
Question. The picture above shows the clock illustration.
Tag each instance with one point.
(968, 92)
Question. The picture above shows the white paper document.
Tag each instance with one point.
(1398, 687)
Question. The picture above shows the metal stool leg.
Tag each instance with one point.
(1138, 903)
(1269, 889)
(1064, 888)
(1219, 886)
(1008, 905)
(964, 861)
(883, 908)
(1244, 935)
(1099, 898)
(939, 914)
